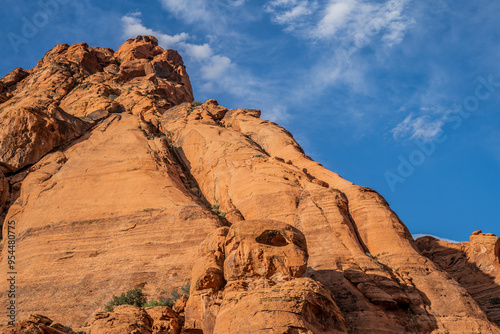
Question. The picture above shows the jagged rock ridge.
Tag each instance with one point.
(114, 178)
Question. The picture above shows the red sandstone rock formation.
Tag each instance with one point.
(113, 179)
(248, 280)
(474, 264)
(37, 324)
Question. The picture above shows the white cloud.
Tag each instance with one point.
(189, 11)
(289, 12)
(132, 27)
(277, 113)
(210, 15)
(422, 128)
(335, 17)
(416, 236)
(237, 3)
(215, 67)
(357, 22)
(362, 21)
(199, 51)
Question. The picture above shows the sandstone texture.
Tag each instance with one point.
(114, 179)
(247, 280)
(474, 264)
(137, 320)
(37, 324)
(106, 212)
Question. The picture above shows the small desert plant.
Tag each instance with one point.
(133, 297)
(259, 156)
(112, 97)
(196, 103)
(162, 302)
(170, 301)
(215, 209)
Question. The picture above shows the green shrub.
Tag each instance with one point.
(370, 255)
(133, 297)
(112, 97)
(259, 156)
(196, 103)
(162, 302)
(215, 209)
(174, 295)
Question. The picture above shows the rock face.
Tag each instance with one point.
(247, 280)
(108, 211)
(133, 319)
(37, 324)
(474, 264)
(113, 178)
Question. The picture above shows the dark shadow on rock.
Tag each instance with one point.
(480, 277)
(354, 302)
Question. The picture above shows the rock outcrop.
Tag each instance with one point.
(475, 265)
(113, 178)
(133, 319)
(37, 324)
(248, 280)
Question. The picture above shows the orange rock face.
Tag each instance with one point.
(114, 180)
(247, 280)
(133, 319)
(107, 210)
(474, 264)
(36, 324)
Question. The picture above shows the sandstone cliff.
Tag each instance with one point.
(113, 178)
(474, 264)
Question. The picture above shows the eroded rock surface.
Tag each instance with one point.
(474, 264)
(248, 280)
(37, 324)
(133, 319)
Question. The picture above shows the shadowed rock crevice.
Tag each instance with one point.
(473, 264)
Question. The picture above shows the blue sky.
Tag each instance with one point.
(402, 96)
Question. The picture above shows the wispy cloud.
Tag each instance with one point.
(341, 32)
(351, 21)
(422, 128)
(132, 26)
(190, 11)
(290, 13)
(206, 14)
(215, 67)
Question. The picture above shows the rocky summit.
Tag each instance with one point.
(113, 179)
